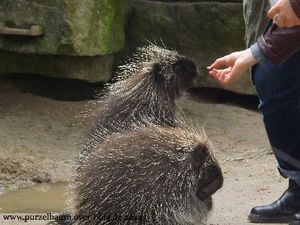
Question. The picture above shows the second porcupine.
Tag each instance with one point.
(146, 89)
(151, 175)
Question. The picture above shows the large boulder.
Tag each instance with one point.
(71, 27)
(79, 40)
(202, 30)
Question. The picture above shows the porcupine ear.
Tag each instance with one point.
(199, 155)
(157, 73)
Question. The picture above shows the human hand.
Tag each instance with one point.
(283, 14)
(237, 64)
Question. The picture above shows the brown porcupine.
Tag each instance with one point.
(150, 175)
(146, 89)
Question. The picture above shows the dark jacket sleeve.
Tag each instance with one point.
(296, 6)
(277, 44)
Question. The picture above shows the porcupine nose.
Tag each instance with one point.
(215, 184)
(190, 72)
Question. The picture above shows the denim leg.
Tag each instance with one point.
(278, 88)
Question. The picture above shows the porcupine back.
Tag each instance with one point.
(145, 91)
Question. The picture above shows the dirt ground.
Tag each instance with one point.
(40, 135)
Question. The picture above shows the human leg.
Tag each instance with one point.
(278, 88)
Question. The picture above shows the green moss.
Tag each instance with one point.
(72, 27)
(97, 26)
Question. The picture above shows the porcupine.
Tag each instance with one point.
(146, 89)
(150, 175)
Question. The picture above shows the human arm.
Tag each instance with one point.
(282, 39)
(277, 44)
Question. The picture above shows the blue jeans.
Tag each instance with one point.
(278, 89)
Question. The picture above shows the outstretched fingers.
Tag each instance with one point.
(222, 75)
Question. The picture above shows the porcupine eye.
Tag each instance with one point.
(198, 156)
(177, 67)
(157, 73)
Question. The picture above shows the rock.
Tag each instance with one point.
(79, 42)
(202, 30)
(71, 27)
(41, 178)
(93, 69)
